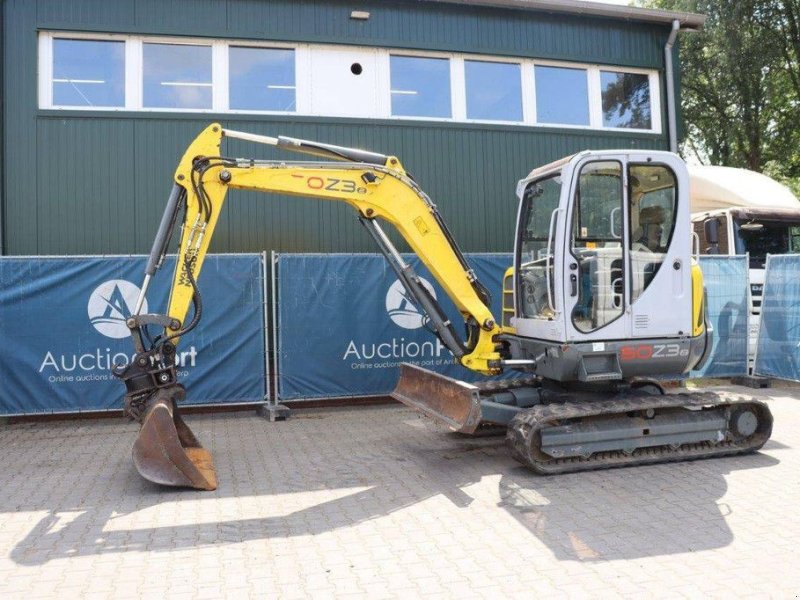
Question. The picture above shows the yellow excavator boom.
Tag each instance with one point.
(375, 185)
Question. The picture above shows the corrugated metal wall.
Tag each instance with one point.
(80, 183)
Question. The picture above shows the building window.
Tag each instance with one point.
(420, 86)
(108, 72)
(562, 95)
(88, 73)
(176, 76)
(626, 99)
(261, 79)
(493, 90)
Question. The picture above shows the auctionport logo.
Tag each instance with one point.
(110, 304)
(402, 310)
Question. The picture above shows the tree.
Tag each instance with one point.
(741, 83)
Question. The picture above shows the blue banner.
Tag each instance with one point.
(345, 324)
(778, 351)
(62, 326)
(726, 280)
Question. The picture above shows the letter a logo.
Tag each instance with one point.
(401, 308)
(110, 305)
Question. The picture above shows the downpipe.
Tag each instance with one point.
(670, 76)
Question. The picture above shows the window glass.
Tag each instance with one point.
(494, 91)
(626, 100)
(420, 87)
(759, 238)
(562, 95)
(652, 215)
(535, 261)
(599, 283)
(88, 73)
(261, 79)
(176, 76)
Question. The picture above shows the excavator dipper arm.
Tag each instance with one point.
(375, 185)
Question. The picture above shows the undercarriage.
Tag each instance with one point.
(555, 428)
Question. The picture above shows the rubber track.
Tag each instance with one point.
(522, 435)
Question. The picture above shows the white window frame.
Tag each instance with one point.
(381, 109)
(655, 97)
(45, 44)
(302, 87)
(592, 91)
(455, 75)
(503, 60)
(173, 41)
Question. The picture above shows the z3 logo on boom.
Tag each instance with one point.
(647, 351)
(332, 184)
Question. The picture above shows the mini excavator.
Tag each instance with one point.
(605, 297)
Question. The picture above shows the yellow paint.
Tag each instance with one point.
(421, 226)
(390, 197)
(508, 300)
(698, 301)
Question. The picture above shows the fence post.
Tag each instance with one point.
(271, 409)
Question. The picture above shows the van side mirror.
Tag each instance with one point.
(712, 235)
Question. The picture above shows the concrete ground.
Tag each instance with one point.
(379, 503)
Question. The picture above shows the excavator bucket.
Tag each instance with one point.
(447, 400)
(166, 451)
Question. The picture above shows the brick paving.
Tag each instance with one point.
(380, 503)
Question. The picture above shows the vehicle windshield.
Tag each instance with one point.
(759, 238)
(541, 198)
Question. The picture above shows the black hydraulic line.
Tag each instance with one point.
(200, 167)
(197, 302)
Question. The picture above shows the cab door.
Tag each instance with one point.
(627, 269)
(596, 268)
(660, 247)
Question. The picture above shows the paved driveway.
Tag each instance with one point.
(377, 502)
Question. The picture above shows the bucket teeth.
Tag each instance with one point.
(166, 451)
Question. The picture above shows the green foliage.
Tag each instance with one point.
(740, 80)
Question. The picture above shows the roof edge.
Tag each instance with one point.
(596, 9)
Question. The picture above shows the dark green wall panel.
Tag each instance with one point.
(84, 186)
(424, 25)
(80, 183)
(19, 126)
(103, 182)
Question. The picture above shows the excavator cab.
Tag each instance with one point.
(603, 244)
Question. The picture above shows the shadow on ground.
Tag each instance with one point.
(82, 477)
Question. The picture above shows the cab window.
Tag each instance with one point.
(652, 211)
(536, 281)
(596, 245)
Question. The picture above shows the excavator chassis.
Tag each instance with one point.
(552, 430)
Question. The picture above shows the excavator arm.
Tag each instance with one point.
(375, 185)
(377, 191)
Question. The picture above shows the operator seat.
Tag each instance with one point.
(647, 236)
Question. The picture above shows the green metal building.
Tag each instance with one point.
(100, 99)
